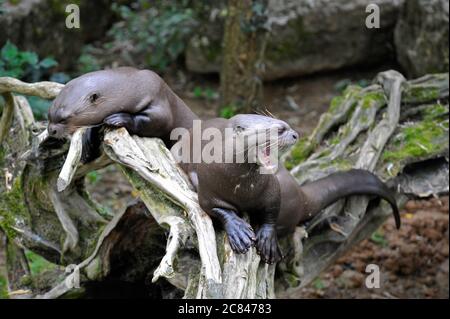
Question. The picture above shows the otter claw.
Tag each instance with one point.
(240, 235)
(267, 244)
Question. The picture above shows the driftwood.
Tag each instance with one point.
(165, 246)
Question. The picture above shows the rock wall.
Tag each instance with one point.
(421, 37)
(307, 37)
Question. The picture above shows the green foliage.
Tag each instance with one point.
(207, 94)
(87, 62)
(39, 106)
(155, 32)
(23, 65)
(93, 177)
(228, 111)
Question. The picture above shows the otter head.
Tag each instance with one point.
(88, 99)
(267, 137)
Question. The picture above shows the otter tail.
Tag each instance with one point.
(325, 191)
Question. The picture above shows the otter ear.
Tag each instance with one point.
(94, 97)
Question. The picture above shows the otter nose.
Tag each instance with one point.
(295, 135)
(55, 130)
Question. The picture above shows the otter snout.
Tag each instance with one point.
(56, 130)
(294, 136)
(290, 137)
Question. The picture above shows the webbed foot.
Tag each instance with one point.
(240, 235)
(267, 244)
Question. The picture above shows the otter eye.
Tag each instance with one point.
(93, 97)
(63, 121)
(281, 130)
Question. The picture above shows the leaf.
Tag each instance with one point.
(39, 107)
(48, 63)
(27, 57)
(9, 51)
(198, 92)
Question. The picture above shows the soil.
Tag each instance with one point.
(413, 262)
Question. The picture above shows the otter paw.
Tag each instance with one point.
(91, 145)
(267, 244)
(240, 235)
(119, 120)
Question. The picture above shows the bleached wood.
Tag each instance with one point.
(72, 160)
(150, 164)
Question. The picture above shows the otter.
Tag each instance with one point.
(142, 102)
(228, 189)
(138, 100)
(276, 204)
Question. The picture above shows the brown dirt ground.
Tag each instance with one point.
(413, 261)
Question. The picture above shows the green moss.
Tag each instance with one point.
(373, 98)
(336, 102)
(420, 94)
(340, 163)
(335, 140)
(292, 279)
(434, 111)
(11, 207)
(417, 140)
(299, 152)
(37, 263)
(3, 288)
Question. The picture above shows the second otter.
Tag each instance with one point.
(276, 204)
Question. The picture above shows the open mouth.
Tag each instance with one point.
(266, 158)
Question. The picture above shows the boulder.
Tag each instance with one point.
(39, 26)
(306, 37)
(421, 37)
